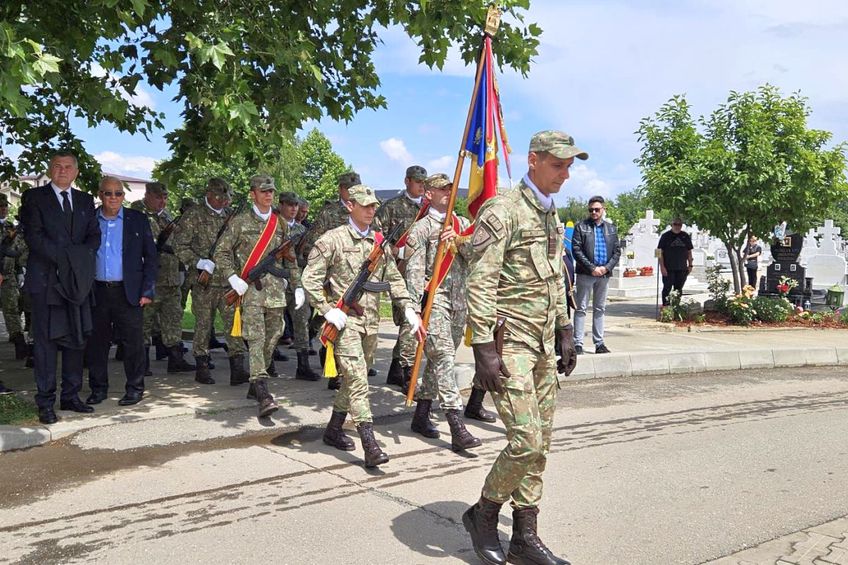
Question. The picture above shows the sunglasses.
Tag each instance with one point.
(595, 209)
(117, 194)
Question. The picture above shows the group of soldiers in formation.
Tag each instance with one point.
(506, 281)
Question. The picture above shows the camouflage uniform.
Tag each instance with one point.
(299, 317)
(402, 210)
(336, 259)
(447, 318)
(13, 261)
(262, 311)
(188, 282)
(197, 232)
(166, 305)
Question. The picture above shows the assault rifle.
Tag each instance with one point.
(162, 239)
(204, 276)
(268, 266)
(360, 285)
(10, 232)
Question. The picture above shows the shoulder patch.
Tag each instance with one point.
(489, 229)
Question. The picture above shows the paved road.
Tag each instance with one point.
(649, 470)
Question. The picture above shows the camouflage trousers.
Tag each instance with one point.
(187, 286)
(444, 334)
(10, 296)
(406, 343)
(354, 351)
(300, 321)
(262, 328)
(204, 303)
(165, 306)
(526, 408)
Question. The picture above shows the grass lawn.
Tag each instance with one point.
(14, 410)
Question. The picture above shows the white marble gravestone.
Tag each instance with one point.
(642, 240)
(827, 267)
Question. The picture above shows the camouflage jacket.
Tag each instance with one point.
(169, 265)
(234, 249)
(517, 270)
(397, 210)
(334, 263)
(331, 215)
(194, 239)
(296, 229)
(14, 263)
(420, 256)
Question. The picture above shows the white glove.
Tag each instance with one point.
(206, 265)
(299, 298)
(238, 284)
(21, 279)
(401, 252)
(336, 317)
(413, 319)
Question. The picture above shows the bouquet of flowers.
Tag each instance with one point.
(785, 285)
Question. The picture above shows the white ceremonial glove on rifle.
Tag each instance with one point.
(415, 323)
(238, 284)
(206, 265)
(336, 317)
(299, 298)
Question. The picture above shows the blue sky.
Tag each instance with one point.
(602, 66)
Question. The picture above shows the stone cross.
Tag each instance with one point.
(648, 224)
(829, 233)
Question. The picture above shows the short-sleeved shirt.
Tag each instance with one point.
(750, 250)
(675, 249)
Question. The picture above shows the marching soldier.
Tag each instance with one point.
(251, 234)
(289, 204)
(334, 262)
(13, 257)
(447, 318)
(199, 229)
(167, 304)
(403, 209)
(516, 311)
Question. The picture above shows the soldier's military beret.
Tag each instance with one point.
(438, 180)
(351, 178)
(557, 143)
(263, 183)
(217, 185)
(289, 198)
(363, 195)
(156, 188)
(4, 200)
(416, 172)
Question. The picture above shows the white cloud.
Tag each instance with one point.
(395, 149)
(443, 164)
(140, 99)
(131, 165)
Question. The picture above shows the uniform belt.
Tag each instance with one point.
(109, 283)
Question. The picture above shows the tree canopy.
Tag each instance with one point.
(749, 165)
(245, 71)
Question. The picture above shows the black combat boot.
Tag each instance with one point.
(176, 363)
(334, 434)
(395, 376)
(201, 374)
(525, 547)
(30, 360)
(481, 522)
(374, 456)
(161, 350)
(147, 371)
(272, 370)
(214, 343)
(119, 351)
(267, 404)
(20, 346)
(238, 375)
(334, 383)
(421, 423)
(461, 438)
(407, 379)
(304, 371)
(474, 409)
(278, 356)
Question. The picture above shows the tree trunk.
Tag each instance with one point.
(735, 262)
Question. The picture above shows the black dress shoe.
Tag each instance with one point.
(96, 397)
(4, 389)
(76, 405)
(578, 349)
(129, 399)
(47, 416)
(601, 348)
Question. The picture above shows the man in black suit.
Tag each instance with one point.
(124, 284)
(61, 231)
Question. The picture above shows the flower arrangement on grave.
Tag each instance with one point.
(628, 273)
(785, 286)
(631, 255)
(646, 271)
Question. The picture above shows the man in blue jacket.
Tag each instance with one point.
(596, 250)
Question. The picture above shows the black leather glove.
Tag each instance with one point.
(488, 367)
(568, 360)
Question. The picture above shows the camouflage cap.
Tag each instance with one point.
(263, 183)
(438, 180)
(557, 143)
(289, 198)
(416, 172)
(350, 178)
(217, 185)
(187, 202)
(363, 194)
(156, 188)
(303, 203)
(4, 200)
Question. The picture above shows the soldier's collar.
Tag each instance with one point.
(543, 201)
(411, 199)
(368, 233)
(218, 212)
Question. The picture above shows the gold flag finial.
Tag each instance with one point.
(493, 20)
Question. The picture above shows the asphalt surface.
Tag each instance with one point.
(655, 470)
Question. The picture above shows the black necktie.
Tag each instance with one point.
(66, 210)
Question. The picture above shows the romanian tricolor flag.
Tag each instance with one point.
(481, 145)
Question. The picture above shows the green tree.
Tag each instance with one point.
(574, 210)
(629, 207)
(752, 163)
(246, 71)
(321, 169)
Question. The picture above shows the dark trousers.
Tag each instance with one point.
(44, 359)
(113, 314)
(675, 279)
(752, 276)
